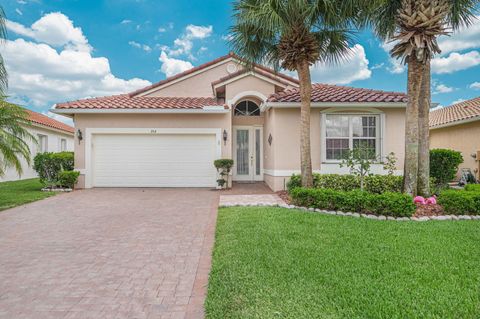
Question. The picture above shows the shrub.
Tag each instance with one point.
(376, 184)
(68, 178)
(223, 167)
(458, 202)
(388, 203)
(472, 187)
(444, 165)
(49, 165)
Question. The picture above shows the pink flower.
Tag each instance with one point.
(432, 200)
(419, 200)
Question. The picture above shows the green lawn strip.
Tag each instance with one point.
(279, 263)
(21, 192)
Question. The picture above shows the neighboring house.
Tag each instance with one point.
(52, 136)
(168, 134)
(457, 127)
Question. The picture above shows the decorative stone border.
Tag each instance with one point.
(369, 216)
(59, 190)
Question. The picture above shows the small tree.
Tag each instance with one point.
(223, 166)
(444, 165)
(359, 160)
(390, 163)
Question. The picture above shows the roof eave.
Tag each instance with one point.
(455, 123)
(205, 110)
(268, 105)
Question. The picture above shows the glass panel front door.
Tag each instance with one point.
(248, 154)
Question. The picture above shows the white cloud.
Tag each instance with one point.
(396, 66)
(455, 62)
(21, 2)
(143, 47)
(161, 30)
(442, 88)
(55, 29)
(184, 44)
(458, 101)
(172, 66)
(475, 86)
(59, 118)
(41, 75)
(126, 21)
(227, 37)
(353, 69)
(464, 38)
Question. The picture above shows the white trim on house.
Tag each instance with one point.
(268, 105)
(465, 121)
(257, 75)
(205, 110)
(90, 132)
(245, 94)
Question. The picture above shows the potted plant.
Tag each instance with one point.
(223, 166)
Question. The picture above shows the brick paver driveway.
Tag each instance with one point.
(108, 253)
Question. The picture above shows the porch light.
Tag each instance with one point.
(79, 136)
(225, 137)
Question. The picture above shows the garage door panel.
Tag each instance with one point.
(154, 160)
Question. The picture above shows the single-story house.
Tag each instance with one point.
(457, 127)
(169, 134)
(52, 136)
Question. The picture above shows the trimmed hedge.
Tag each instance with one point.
(387, 204)
(49, 165)
(472, 187)
(444, 165)
(376, 184)
(68, 178)
(459, 202)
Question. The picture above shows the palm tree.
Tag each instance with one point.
(3, 72)
(414, 26)
(294, 35)
(13, 137)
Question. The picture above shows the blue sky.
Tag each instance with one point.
(62, 50)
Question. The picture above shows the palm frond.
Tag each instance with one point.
(3, 71)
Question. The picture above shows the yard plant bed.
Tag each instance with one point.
(21, 192)
(281, 263)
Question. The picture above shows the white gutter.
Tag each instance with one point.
(205, 110)
(268, 105)
(465, 121)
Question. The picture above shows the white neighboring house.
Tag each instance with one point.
(52, 136)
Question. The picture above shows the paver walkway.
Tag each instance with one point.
(108, 253)
(251, 200)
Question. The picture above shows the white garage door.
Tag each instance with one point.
(163, 160)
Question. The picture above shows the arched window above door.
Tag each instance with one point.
(247, 108)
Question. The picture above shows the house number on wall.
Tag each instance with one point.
(153, 131)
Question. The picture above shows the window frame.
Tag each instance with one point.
(63, 144)
(42, 148)
(379, 139)
(247, 101)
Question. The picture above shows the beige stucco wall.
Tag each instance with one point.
(284, 153)
(464, 138)
(199, 85)
(83, 121)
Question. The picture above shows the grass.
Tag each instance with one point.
(21, 192)
(279, 263)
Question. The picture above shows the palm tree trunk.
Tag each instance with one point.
(415, 75)
(424, 134)
(303, 71)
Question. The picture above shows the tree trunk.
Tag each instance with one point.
(415, 75)
(303, 71)
(424, 134)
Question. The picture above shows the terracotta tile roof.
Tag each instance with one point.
(206, 65)
(271, 75)
(334, 93)
(44, 120)
(457, 112)
(125, 101)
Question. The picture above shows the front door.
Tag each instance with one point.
(248, 153)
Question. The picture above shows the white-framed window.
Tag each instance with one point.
(247, 108)
(63, 145)
(42, 143)
(344, 132)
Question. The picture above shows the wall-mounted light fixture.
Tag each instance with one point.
(225, 137)
(79, 136)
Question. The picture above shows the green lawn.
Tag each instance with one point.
(21, 192)
(279, 263)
